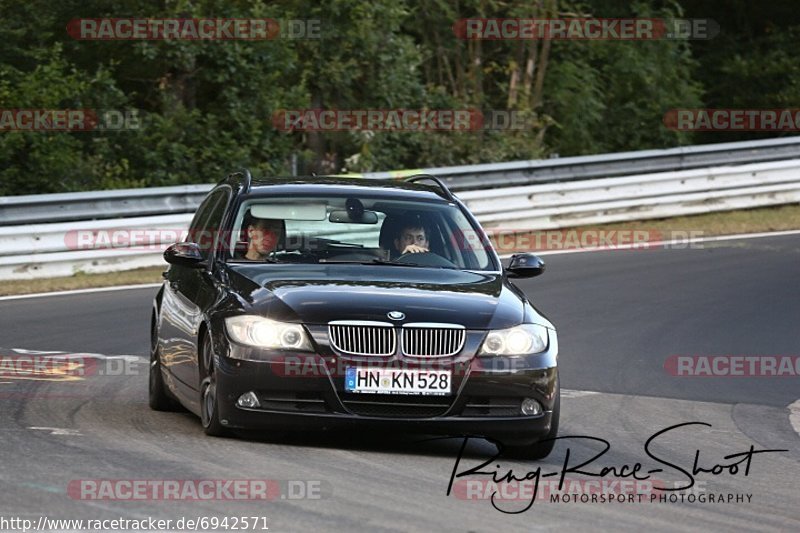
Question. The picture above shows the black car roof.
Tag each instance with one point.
(323, 185)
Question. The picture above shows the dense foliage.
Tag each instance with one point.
(207, 107)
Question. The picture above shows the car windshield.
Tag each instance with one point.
(357, 230)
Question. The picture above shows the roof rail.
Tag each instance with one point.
(245, 182)
(420, 177)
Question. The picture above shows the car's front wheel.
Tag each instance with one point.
(209, 407)
(542, 448)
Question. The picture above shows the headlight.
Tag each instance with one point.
(519, 340)
(265, 333)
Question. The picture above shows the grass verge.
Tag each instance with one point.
(82, 281)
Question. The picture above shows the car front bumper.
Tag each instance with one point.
(308, 393)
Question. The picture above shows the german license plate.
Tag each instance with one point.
(398, 381)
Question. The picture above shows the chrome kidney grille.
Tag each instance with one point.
(363, 337)
(422, 339)
(432, 339)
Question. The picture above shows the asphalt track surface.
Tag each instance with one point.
(620, 315)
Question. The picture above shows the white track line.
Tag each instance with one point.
(567, 393)
(640, 246)
(794, 416)
(60, 356)
(59, 431)
(81, 291)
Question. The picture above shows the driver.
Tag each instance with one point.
(411, 238)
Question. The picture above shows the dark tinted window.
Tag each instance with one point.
(205, 227)
(201, 216)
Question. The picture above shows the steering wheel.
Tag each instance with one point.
(428, 259)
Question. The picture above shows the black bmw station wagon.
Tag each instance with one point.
(334, 302)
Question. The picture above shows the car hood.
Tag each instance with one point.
(317, 294)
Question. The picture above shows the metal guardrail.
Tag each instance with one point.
(63, 207)
(55, 249)
(643, 197)
(516, 173)
(118, 203)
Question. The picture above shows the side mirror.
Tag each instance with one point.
(184, 254)
(525, 266)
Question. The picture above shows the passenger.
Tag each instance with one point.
(263, 237)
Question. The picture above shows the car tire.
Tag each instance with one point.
(542, 448)
(209, 406)
(158, 398)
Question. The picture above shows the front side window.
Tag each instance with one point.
(358, 230)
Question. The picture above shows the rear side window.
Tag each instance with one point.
(205, 227)
(200, 217)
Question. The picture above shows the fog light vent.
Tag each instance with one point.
(248, 400)
(531, 407)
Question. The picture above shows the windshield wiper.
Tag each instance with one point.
(342, 244)
(394, 263)
(256, 262)
(362, 262)
(378, 262)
